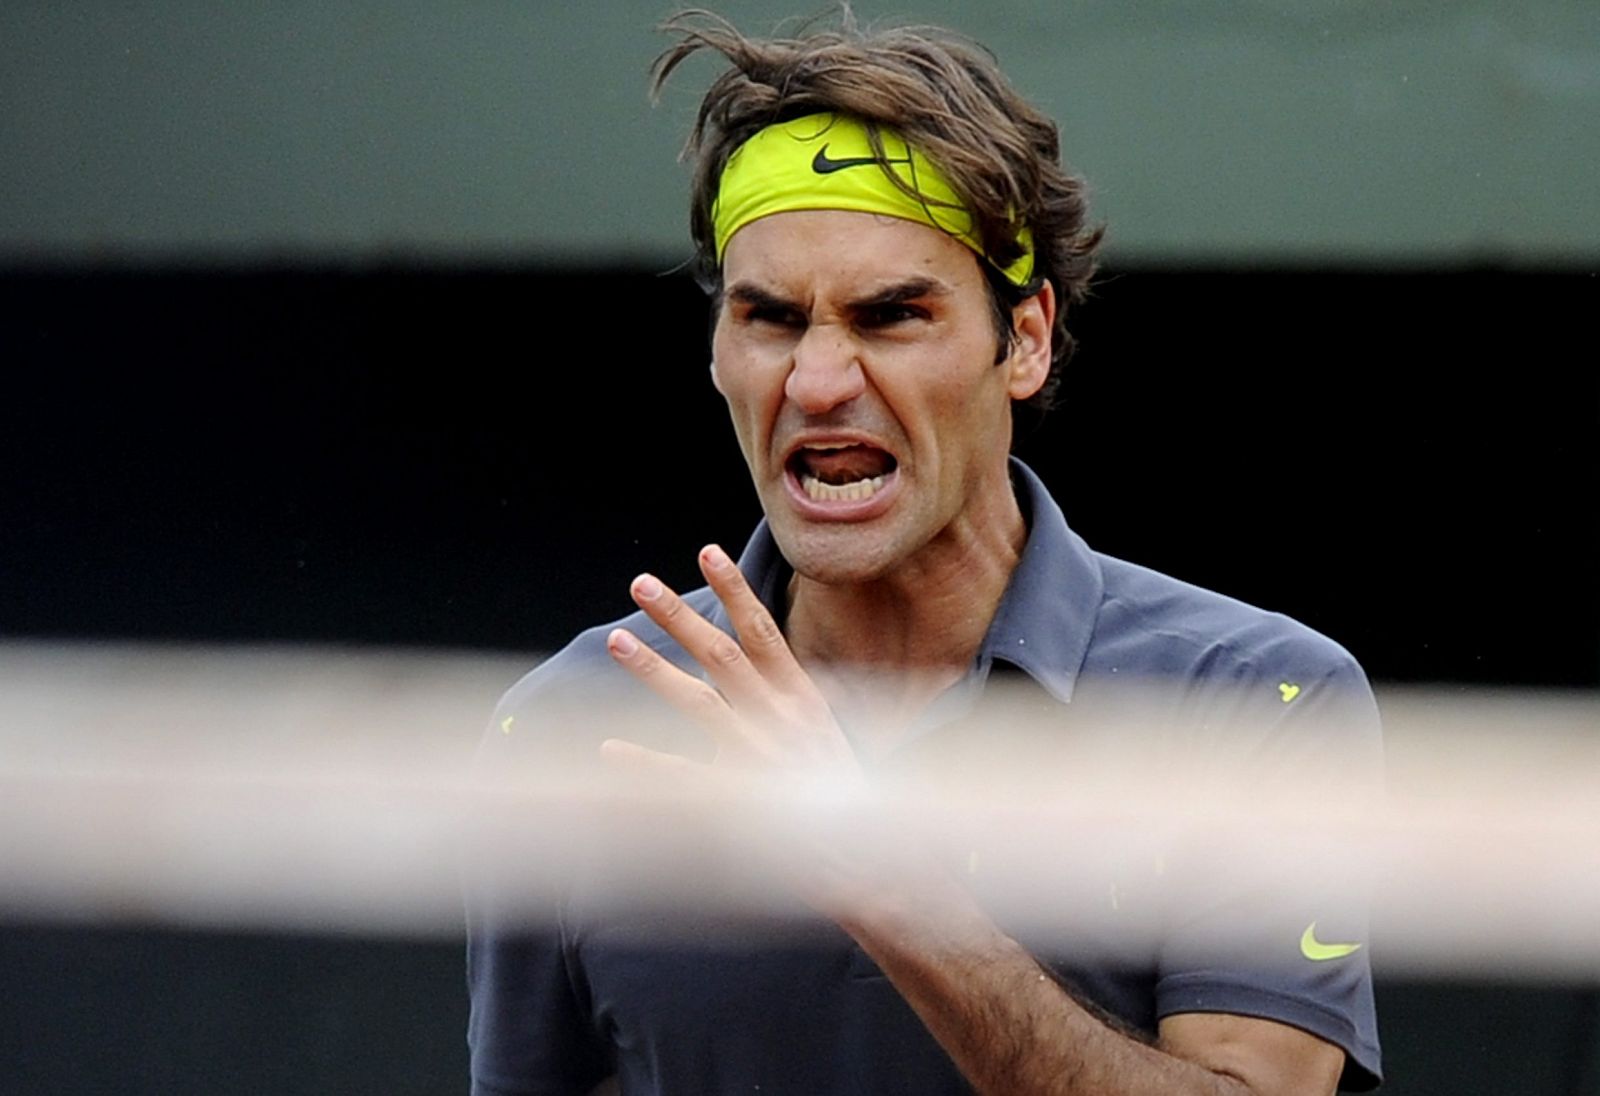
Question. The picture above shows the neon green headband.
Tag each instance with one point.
(825, 161)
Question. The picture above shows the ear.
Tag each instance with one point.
(1033, 320)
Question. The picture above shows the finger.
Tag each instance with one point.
(631, 755)
(698, 701)
(759, 634)
(724, 660)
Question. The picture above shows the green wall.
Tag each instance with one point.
(1293, 130)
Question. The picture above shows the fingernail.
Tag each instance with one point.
(622, 643)
(715, 557)
(647, 587)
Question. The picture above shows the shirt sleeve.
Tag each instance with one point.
(534, 1028)
(1282, 936)
(530, 1030)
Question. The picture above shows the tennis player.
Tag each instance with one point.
(892, 248)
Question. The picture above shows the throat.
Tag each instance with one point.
(882, 645)
(924, 618)
(879, 708)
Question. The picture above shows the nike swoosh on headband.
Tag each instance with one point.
(822, 165)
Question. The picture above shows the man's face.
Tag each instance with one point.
(857, 356)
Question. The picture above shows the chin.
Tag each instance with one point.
(838, 556)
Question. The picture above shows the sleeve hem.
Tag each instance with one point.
(1363, 1065)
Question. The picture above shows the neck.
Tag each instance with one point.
(885, 647)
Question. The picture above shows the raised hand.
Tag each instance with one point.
(784, 785)
(760, 708)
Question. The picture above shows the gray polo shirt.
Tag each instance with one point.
(591, 990)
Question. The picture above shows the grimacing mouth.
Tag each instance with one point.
(840, 470)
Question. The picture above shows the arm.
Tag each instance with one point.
(1011, 1029)
(1005, 1023)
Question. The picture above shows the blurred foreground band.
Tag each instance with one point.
(336, 791)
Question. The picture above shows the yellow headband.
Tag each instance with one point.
(825, 161)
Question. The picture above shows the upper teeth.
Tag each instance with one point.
(825, 445)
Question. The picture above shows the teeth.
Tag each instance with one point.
(825, 446)
(843, 492)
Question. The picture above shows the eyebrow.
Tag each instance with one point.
(754, 296)
(909, 290)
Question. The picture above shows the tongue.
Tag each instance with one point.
(836, 466)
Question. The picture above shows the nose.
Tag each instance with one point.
(826, 371)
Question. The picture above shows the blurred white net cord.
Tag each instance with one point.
(332, 791)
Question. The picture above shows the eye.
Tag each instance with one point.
(888, 315)
(776, 315)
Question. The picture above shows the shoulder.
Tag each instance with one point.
(1153, 625)
(566, 700)
(1103, 617)
(584, 663)
(1236, 681)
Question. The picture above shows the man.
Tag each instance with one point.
(892, 245)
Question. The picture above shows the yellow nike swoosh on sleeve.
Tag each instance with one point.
(1317, 951)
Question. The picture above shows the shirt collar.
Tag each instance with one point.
(1046, 616)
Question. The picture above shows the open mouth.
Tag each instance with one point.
(841, 471)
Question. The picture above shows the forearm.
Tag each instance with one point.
(1006, 1023)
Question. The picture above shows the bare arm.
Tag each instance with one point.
(1011, 1029)
(1007, 1025)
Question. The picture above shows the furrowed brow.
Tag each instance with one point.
(753, 296)
(902, 292)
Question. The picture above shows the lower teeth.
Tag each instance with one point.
(840, 492)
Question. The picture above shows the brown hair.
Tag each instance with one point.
(945, 95)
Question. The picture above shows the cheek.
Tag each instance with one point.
(750, 406)
(742, 376)
(968, 419)
(968, 393)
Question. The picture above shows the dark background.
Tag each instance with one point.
(482, 458)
